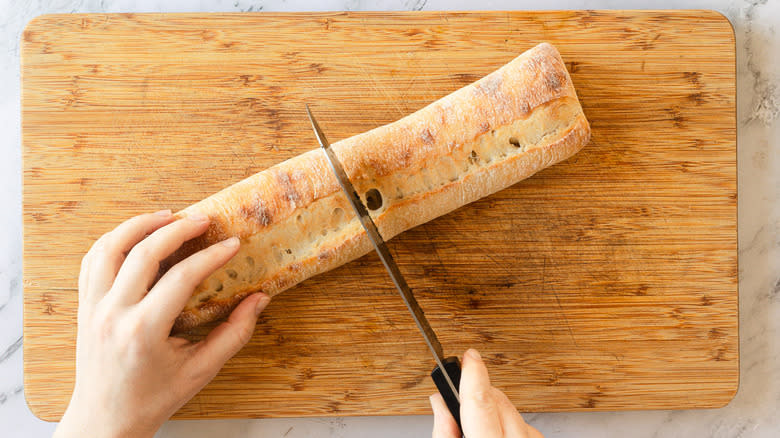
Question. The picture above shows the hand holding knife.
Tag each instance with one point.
(446, 374)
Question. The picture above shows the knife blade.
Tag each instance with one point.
(447, 370)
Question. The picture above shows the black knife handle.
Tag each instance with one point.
(452, 365)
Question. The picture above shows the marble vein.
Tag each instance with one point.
(767, 105)
(11, 349)
(5, 395)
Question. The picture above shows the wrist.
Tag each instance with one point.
(78, 423)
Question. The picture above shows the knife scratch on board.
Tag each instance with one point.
(560, 308)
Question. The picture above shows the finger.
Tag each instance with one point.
(108, 253)
(511, 421)
(140, 269)
(168, 297)
(478, 410)
(229, 337)
(444, 425)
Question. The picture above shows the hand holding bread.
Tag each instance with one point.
(131, 375)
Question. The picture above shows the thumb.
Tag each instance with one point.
(479, 413)
(229, 337)
(444, 425)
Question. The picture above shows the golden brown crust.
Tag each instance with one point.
(295, 222)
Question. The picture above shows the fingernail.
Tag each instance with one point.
(474, 354)
(163, 213)
(230, 243)
(261, 303)
(197, 217)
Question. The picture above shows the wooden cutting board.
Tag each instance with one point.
(606, 282)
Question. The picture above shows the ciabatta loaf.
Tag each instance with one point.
(294, 221)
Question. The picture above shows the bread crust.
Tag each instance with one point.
(295, 222)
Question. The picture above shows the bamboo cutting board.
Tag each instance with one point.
(606, 282)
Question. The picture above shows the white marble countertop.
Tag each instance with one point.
(754, 412)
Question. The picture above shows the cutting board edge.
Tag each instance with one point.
(36, 21)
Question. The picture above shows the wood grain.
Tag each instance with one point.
(606, 282)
